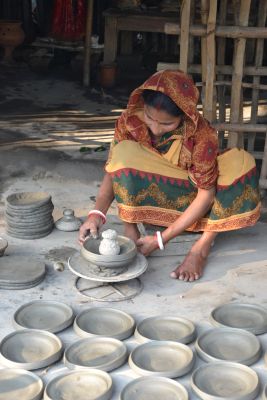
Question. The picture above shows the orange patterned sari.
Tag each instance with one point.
(156, 183)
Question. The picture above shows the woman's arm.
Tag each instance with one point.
(197, 209)
(104, 199)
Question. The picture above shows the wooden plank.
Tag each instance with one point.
(220, 69)
(87, 44)
(256, 79)
(231, 32)
(263, 174)
(110, 40)
(237, 76)
(184, 36)
(210, 92)
(240, 127)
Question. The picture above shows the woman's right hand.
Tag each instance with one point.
(90, 228)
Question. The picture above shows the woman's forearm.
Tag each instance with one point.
(197, 209)
(105, 194)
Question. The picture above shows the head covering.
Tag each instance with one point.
(175, 84)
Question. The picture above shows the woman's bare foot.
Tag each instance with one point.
(193, 265)
(131, 231)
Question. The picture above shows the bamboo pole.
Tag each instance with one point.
(191, 38)
(204, 20)
(231, 32)
(237, 76)
(263, 174)
(220, 69)
(210, 92)
(221, 61)
(256, 79)
(87, 44)
(184, 36)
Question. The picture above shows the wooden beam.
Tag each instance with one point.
(184, 37)
(238, 64)
(210, 92)
(234, 32)
(220, 69)
(87, 44)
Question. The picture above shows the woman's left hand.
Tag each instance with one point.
(147, 244)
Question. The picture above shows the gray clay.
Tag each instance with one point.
(109, 245)
(68, 222)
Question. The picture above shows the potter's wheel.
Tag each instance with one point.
(84, 269)
(105, 284)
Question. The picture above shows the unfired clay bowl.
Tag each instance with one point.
(128, 251)
(17, 384)
(80, 385)
(3, 246)
(154, 388)
(225, 380)
(27, 200)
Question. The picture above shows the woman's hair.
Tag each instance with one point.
(160, 101)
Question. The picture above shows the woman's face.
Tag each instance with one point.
(159, 121)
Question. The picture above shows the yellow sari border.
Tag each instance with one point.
(162, 217)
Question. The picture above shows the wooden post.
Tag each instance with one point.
(87, 44)
(210, 103)
(238, 62)
(256, 79)
(221, 61)
(263, 174)
(184, 37)
(204, 20)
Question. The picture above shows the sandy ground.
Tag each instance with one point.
(40, 151)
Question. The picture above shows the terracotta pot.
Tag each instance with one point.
(11, 36)
(107, 77)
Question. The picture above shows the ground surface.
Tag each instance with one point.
(44, 125)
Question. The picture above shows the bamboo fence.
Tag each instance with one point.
(235, 30)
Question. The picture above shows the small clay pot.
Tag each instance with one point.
(107, 78)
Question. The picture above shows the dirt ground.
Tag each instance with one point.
(54, 137)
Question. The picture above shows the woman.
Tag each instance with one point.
(164, 169)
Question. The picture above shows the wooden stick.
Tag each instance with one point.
(256, 79)
(240, 127)
(210, 93)
(221, 60)
(204, 20)
(220, 69)
(234, 32)
(237, 76)
(184, 37)
(87, 44)
(229, 83)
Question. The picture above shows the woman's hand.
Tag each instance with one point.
(90, 228)
(147, 244)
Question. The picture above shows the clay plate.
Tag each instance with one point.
(102, 321)
(51, 316)
(228, 344)
(127, 254)
(84, 269)
(167, 359)
(223, 381)
(154, 388)
(30, 349)
(175, 329)
(251, 317)
(20, 270)
(17, 384)
(27, 200)
(80, 385)
(97, 352)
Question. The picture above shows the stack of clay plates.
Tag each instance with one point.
(20, 272)
(29, 215)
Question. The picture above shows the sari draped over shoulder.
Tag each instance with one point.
(155, 183)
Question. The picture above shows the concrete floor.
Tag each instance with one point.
(40, 151)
